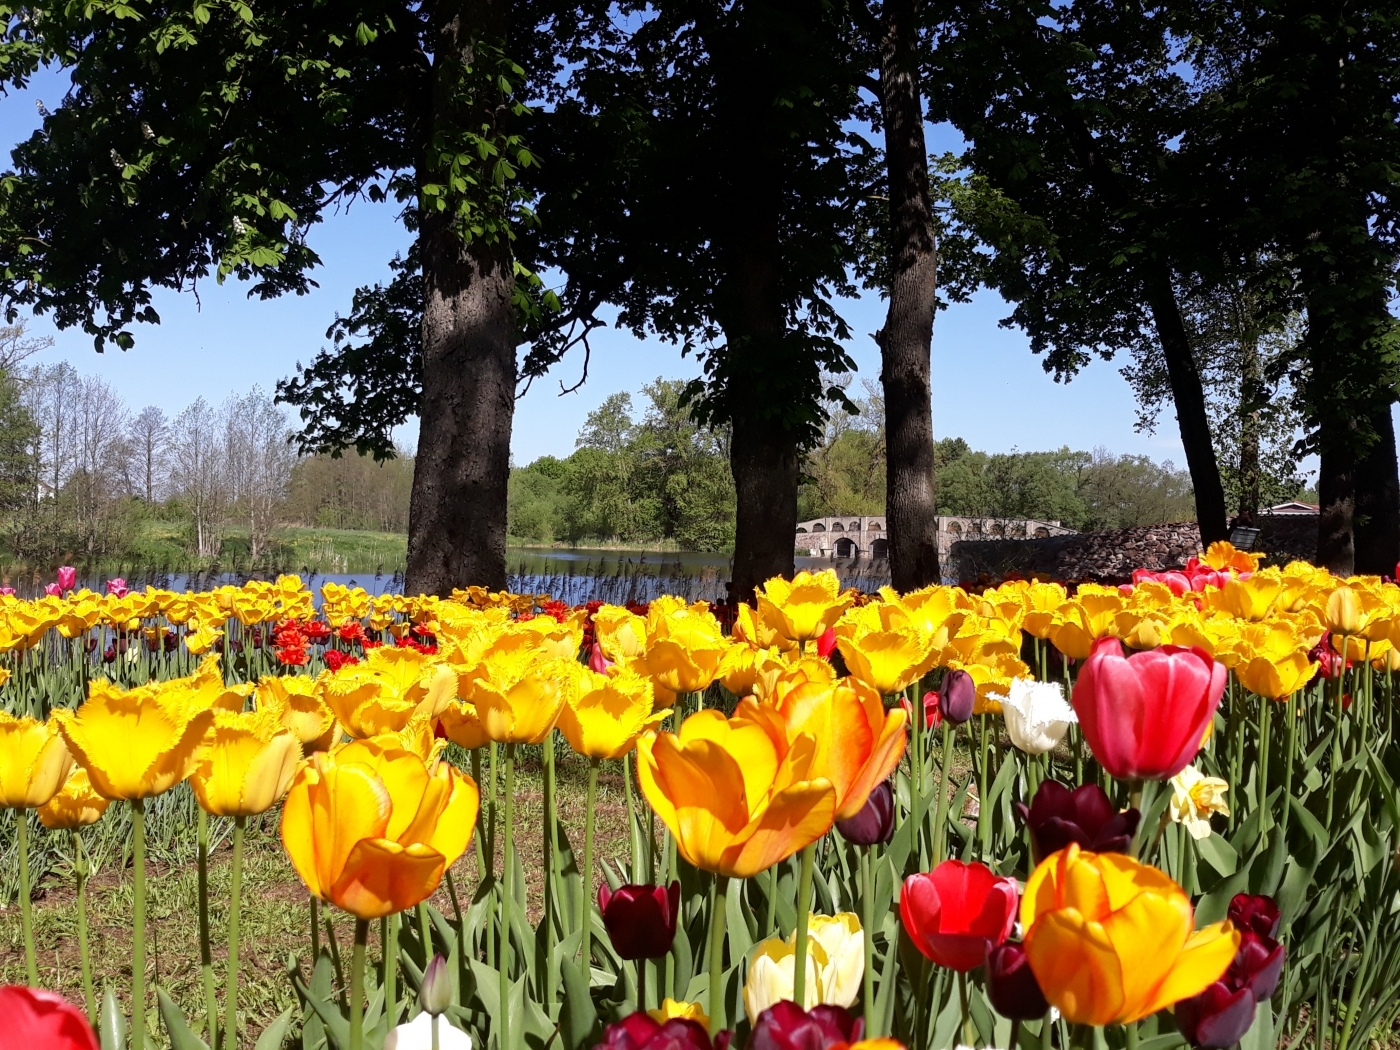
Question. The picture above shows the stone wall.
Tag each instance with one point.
(1111, 556)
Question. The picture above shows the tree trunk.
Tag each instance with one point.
(907, 335)
(765, 463)
(1336, 495)
(1189, 399)
(457, 512)
(1376, 528)
(1253, 397)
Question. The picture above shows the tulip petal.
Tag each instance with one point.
(1147, 933)
(795, 818)
(330, 807)
(382, 877)
(454, 816)
(1205, 958)
(1074, 962)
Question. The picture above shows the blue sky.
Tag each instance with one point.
(987, 386)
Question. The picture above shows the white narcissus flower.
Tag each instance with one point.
(1195, 797)
(418, 1035)
(835, 966)
(1037, 715)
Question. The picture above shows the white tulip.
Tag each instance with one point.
(418, 1035)
(1037, 715)
(835, 966)
(843, 941)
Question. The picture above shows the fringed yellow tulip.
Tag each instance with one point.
(514, 695)
(246, 763)
(621, 634)
(761, 630)
(1111, 940)
(34, 762)
(858, 742)
(606, 714)
(735, 794)
(744, 666)
(131, 743)
(1344, 613)
(297, 701)
(883, 648)
(372, 830)
(76, 806)
(805, 607)
(382, 692)
(684, 646)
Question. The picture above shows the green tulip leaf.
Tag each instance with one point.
(275, 1034)
(578, 1019)
(111, 1024)
(181, 1038)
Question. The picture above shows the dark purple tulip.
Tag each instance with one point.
(1259, 914)
(957, 696)
(640, 920)
(1217, 1018)
(1258, 965)
(1058, 816)
(639, 1031)
(875, 821)
(1011, 986)
(786, 1026)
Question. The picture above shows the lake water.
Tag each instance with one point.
(571, 575)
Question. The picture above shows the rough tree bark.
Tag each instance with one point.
(1252, 398)
(457, 511)
(1376, 527)
(1336, 495)
(907, 336)
(1189, 400)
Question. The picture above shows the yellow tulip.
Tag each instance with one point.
(806, 606)
(684, 645)
(605, 714)
(132, 744)
(743, 666)
(621, 634)
(201, 638)
(671, 1009)
(1222, 555)
(372, 830)
(246, 763)
(383, 691)
(1111, 941)
(883, 648)
(735, 794)
(515, 695)
(76, 806)
(1344, 611)
(34, 761)
(1276, 676)
(297, 701)
(760, 630)
(1250, 599)
(1041, 602)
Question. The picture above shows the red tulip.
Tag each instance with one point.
(640, 920)
(36, 1018)
(640, 1031)
(958, 912)
(826, 644)
(1145, 715)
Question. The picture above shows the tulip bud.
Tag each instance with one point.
(875, 821)
(640, 920)
(53, 590)
(826, 644)
(1257, 913)
(957, 696)
(1058, 816)
(598, 660)
(1217, 1018)
(786, 1026)
(67, 578)
(117, 587)
(435, 993)
(1012, 986)
(1343, 611)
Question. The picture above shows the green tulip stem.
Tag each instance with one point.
(1132, 1036)
(969, 1034)
(586, 898)
(1291, 713)
(357, 986)
(389, 948)
(206, 954)
(719, 895)
(315, 928)
(551, 853)
(804, 904)
(425, 933)
(984, 825)
(479, 839)
(867, 919)
(26, 908)
(489, 871)
(1265, 713)
(80, 867)
(507, 897)
(632, 823)
(235, 894)
(435, 1032)
(1047, 1032)
(941, 814)
(138, 920)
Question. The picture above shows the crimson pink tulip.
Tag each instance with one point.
(640, 920)
(1145, 715)
(36, 1018)
(958, 912)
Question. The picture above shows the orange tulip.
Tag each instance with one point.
(1111, 940)
(371, 830)
(735, 793)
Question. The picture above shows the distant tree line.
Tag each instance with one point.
(80, 472)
